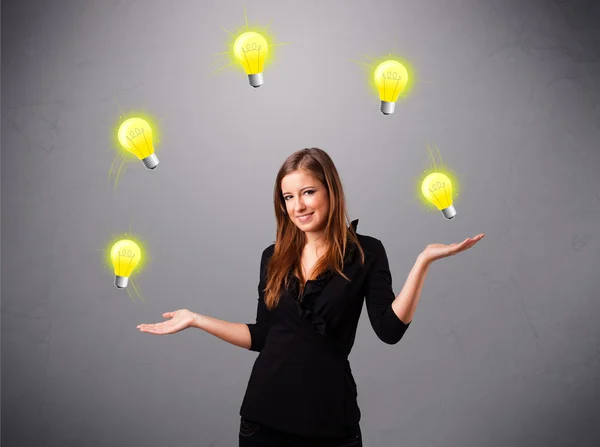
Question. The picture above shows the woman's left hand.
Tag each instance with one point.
(438, 251)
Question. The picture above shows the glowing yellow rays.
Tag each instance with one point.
(125, 255)
(119, 138)
(135, 136)
(116, 171)
(438, 186)
(136, 290)
(250, 49)
(389, 78)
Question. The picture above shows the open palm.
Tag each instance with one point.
(179, 320)
(438, 251)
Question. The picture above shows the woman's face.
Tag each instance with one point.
(303, 194)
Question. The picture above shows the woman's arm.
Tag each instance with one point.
(391, 315)
(251, 336)
(237, 334)
(405, 304)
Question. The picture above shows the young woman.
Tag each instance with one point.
(313, 282)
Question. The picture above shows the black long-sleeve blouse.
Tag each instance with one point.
(301, 382)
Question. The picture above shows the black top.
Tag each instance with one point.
(301, 382)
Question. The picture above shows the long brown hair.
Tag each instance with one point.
(291, 240)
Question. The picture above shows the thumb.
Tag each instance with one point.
(168, 314)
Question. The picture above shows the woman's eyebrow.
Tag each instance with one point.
(306, 187)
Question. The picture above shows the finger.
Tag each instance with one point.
(477, 239)
(464, 246)
(463, 243)
(153, 329)
(471, 244)
(149, 327)
(474, 239)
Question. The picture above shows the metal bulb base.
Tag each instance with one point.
(449, 212)
(387, 107)
(121, 281)
(151, 161)
(256, 80)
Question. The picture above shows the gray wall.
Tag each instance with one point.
(504, 346)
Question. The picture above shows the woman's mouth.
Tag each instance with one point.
(305, 218)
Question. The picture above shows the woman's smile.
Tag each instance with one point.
(306, 217)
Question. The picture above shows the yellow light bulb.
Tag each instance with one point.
(135, 135)
(251, 49)
(390, 78)
(125, 256)
(437, 188)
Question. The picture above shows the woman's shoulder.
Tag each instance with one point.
(364, 240)
(367, 241)
(268, 252)
(372, 246)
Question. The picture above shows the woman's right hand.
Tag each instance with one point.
(179, 320)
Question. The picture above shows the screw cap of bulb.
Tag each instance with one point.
(256, 80)
(387, 107)
(121, 281)
(449, 212)
(151, 161)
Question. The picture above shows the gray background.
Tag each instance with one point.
(504, 348)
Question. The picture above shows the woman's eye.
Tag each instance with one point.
(309, 191)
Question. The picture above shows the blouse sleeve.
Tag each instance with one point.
(260, 329)
(379, 297)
